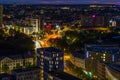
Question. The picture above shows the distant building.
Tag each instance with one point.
(29, 29)
(35, 23)
(27, 74)
(78, 59)
(92, 20)
(105, 53)
(1, 11)
(57, 75)
(114, 23)
(31, 25)
(15, 61)
(49, 59)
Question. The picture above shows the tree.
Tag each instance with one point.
(5, 68)
(18, 66)
(28, 64)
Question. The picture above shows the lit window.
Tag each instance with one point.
(41, 56)
(57, 54)
(57, 62)
(41, 63)
(104, 54)
(50, 66)
(103, 59)
(41, 52)
(61, 58)
(96, 53)
(92, 58)
(49, 69)
(53, 55)
(56, 66)
(57, 58)
(49, 62)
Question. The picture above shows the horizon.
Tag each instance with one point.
(60, 2)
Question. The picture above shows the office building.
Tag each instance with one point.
(101, 70)
(49, 59)
(27, 74)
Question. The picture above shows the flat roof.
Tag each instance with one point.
(63, 75)
(26, 69)
(50, 49)
(79, 54)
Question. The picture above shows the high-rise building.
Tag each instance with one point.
(1, 10)
(50, 59)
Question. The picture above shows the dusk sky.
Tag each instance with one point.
(60, 1)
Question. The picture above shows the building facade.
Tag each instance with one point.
(78, 59)
(55, 75)
(105, 53)
(101, 70)
(15, 61)
(49, 59)
(27, 74)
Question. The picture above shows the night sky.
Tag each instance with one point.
(60, 1)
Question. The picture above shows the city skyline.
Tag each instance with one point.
(60, 1)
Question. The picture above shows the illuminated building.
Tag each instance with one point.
(78, 59)
(31, 25)
(101, 70)
(114, 23)
(15, 61)
(105, 53)
(55, 75)
(49, 59)
(92, 20)
(1, 9)
(27, 74)
(35, 23)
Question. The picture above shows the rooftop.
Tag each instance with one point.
(63, 75)
(15, 56)
(108, 49)
(26, 69)
(50, 49)
(79, 54)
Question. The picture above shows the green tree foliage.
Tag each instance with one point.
(28, 64)
(18, 66)
(20, 41)
(5, 68)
